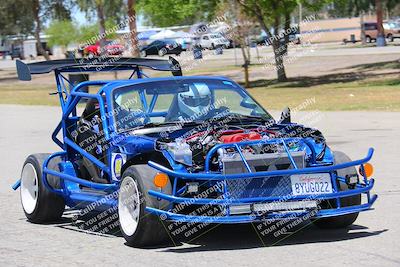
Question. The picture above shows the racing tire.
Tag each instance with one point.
(341, 221)
(143, 53)
(390, 37)
(368, 39)
(40, 205)
(162, 52)
(139, 227)
(91, 55)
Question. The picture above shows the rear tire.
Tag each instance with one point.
(91, 55)
(139, 227)
(162, 52)
(40, 205)
(343, 220)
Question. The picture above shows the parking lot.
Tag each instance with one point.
(372, 241)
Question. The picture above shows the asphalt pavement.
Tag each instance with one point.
(372, 241)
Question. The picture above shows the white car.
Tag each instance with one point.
(212, 40)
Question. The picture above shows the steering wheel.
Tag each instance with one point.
(128, 118)
(214, 113)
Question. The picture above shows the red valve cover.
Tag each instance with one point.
(238, 137)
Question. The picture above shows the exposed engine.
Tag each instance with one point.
(192, 150)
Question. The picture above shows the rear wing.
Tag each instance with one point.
(25, 70)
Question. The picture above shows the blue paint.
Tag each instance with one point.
(134, 145)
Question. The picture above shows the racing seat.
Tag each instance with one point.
(90, 137)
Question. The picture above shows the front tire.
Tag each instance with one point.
(344, 220)
(40, 205)
(139, 227)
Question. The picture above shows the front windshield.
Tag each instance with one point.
(182, 100)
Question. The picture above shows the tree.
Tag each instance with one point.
(273, 16)
(102, 24)
(88, 33)
(16, 17)
(105, 10)
(381, 38)
(97, 7)
(358, 7)
(269, 13)
(57, 9)
(49, 9)
(23, 17)
(177, 12)
(241, 27)
(132, 28)
(38, 28)
(62, 32)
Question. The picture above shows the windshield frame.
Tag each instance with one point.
(235, 87)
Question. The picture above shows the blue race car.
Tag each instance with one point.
(183, 149)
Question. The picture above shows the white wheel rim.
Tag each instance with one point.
(29, 188)
(129, 206)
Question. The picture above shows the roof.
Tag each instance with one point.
(96, 64)
(162, 35)
(125, 83)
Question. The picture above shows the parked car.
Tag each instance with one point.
(371, 31)
(111, 48)
(17, 52)
(161, 48)
(294, 37)
(212, 40)
(393, 29)
(183, 149)
(233, 44)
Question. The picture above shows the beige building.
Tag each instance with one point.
(332, 30)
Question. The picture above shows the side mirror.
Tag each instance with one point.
(285, 116)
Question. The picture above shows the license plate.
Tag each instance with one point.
(311, 184)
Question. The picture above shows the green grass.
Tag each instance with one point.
(378, 93)
(27, 94)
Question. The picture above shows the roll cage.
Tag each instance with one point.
(70, 95)
(71, 183)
